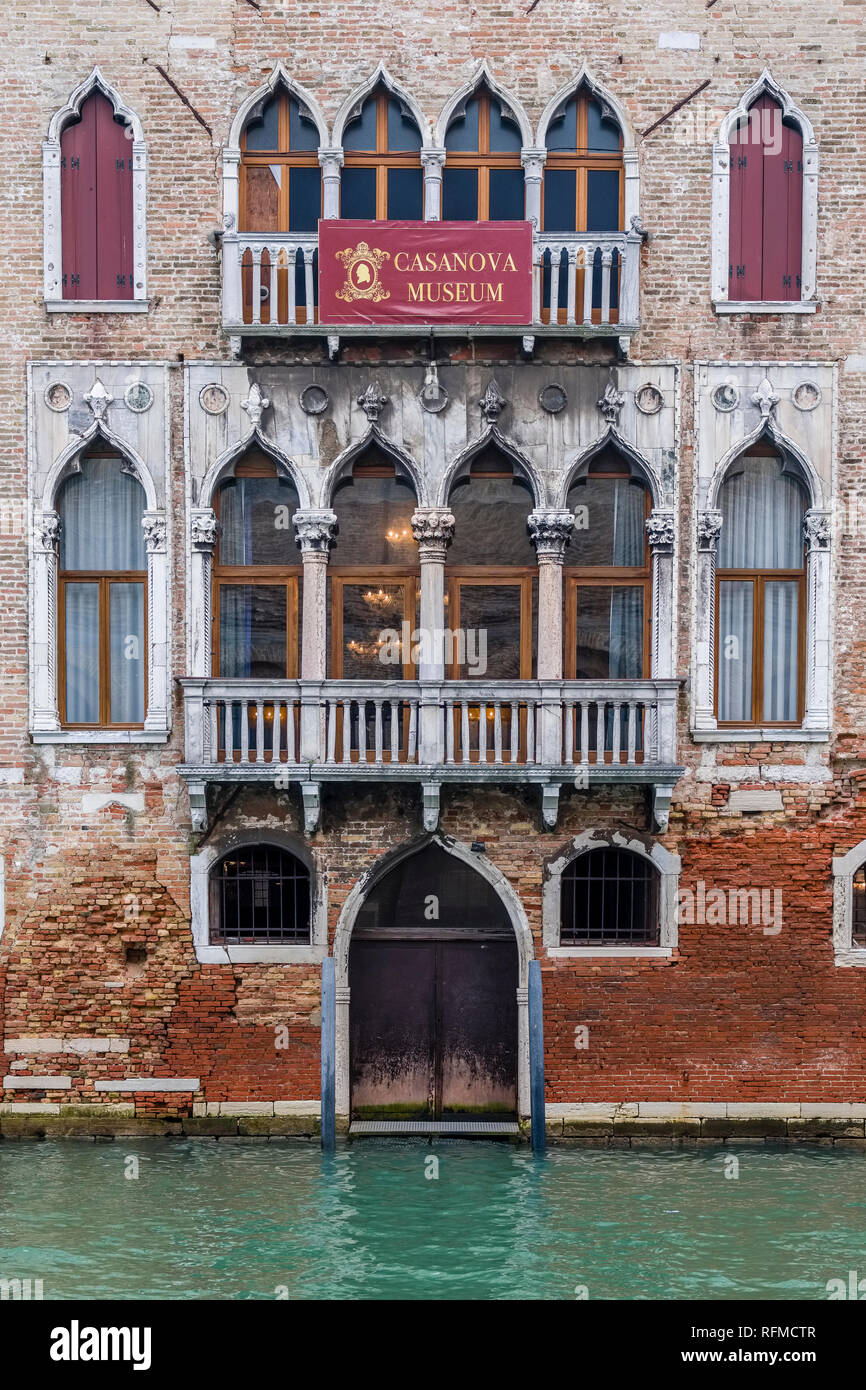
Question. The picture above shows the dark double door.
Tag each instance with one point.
(433, 1026)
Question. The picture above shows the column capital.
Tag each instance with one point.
(817, 530)
(433, 157)
(533, 159)
(47, 535)
(204, 528)
(330, 158)
(433, 529)
(550, 530)
(315, 530)
(660, 530)
(154, 528)
(709, 526)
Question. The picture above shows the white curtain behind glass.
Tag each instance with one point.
(100, 512)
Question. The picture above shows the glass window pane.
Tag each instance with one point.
(462, 134)
(360, 134)
(262, 200)
(256, 522)
(263, 133)
(507, 191)
(735, 624)
(375, 524)
(763, 518)
(609, 632)
(562, 131)
(609, 528)
(490, 631)
(490, 515)
(358, 194)
(127, 649)
(560, 200)
(100, 514)
(403, 133)
(372, 631)
(459, 195)
(405, 194)
(305, 199)
(253, 631)
(781, 650)
(504, 133)
(601, 134)
(303, 134)
(82, 653)
(602, 200)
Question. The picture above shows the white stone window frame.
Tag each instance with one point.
(52, 229)
(815, 725)
(45, 725)
(721, 204)
(201, 867)
(667, 868)
(845, 866)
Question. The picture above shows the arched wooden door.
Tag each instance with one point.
(433, 971)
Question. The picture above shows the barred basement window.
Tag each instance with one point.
(609, 898)
(261, 896)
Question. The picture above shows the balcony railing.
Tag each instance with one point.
(333, 728)
(270, 283)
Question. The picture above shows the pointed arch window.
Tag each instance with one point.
(766, 205)
(483, 178)
(102, 597)
(760, 594)
(382, 176)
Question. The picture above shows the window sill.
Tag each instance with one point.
(97, 736)
(610, 952)
(260, 955)
(767, 306)
(97, 306)
(853, 956)
(771, 735)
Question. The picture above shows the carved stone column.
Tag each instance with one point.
(315, 531)
(46, 543)
(709, 526)
(550, 531)
(331, 161)
(433, 528)
(817, 532)
(203, 533)
(660, 534)
(433, 161)
(158, 641)
(533, 161)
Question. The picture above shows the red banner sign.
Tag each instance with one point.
(425, 272)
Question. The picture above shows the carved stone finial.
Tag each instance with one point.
(660, 530)
(99, 399)
(255, 405)
(765, 398)
(48, 531)
(153, 526)
(372, 402)
(611, 403)
(817, 530)
(433, 529)
(315, 530)
(550, 532)
(204, 528)
(493, 402)
(709, 526)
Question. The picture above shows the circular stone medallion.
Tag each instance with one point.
(552, 398)
(138, 397)
(58, 396)
(314, 399)
(214, 399)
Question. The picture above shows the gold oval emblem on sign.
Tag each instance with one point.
(363, 264)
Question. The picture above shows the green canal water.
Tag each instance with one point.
(227, 1220)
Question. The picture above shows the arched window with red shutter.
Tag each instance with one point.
(766, 205)
(94, 188)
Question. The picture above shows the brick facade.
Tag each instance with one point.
(735, 1014)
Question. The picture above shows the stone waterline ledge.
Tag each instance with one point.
(597, 1123)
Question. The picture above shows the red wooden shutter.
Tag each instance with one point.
(78, 205)
(114, 204)
(783, 210)
(794, 189)
(96, 205)
(747, 197)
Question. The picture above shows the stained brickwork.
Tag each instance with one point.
(736, 1013)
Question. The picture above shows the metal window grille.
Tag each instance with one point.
(609, 898)
(263, 896)
(858, 931)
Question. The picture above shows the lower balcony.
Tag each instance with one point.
(548, 733)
